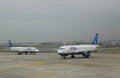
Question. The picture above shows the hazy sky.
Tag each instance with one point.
(59, 20)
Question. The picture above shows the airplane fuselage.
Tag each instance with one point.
(25, 50)
(76, 49)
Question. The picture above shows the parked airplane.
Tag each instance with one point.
(84, 49)
(22, 50)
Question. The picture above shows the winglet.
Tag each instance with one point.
(10, 43)
(95, 41)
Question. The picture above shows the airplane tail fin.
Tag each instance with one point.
(10, 43)
(95, 41)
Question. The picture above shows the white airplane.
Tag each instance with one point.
(22, 50)
(84, 49)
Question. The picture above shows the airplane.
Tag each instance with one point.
(22, 50)
(83, 49)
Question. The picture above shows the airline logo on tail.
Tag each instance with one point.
(95, 41)
(10, 44)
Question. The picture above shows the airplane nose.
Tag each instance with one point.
(59, 51)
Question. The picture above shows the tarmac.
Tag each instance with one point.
(103, 64)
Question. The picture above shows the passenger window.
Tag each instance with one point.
(61, 48)
(73, 48)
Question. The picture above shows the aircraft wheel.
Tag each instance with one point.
(72, 56)
(19, 53)
(86, 54)
(26, 53)
(64, 56)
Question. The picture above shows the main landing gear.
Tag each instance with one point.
(72, 56)
(65, 55)
(19, 53)
(86, 54)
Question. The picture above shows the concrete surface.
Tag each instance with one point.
(50, 65)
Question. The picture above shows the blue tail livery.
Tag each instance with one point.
(95, 41)
(10, 44)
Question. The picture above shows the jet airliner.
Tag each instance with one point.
(83, 49)
(22, 50)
